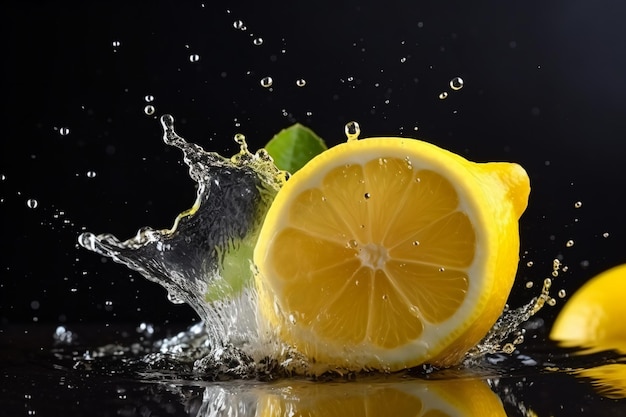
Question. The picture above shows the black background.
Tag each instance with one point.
(545, 86)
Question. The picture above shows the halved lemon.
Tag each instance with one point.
(387, 253)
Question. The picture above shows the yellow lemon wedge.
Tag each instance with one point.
(387, 253)
(594, 315)
(443, 398)
(593, 319)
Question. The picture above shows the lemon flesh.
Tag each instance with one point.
(388, 253)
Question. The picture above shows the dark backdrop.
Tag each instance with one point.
(544, 86)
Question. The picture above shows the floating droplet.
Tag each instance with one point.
(32, 203)
(149, 110)
(529, 263)
(238, 24)
(529, 284)
(456, 83)
(266, 82)
(352, 130)
(301, 82)
(547, 283)
(367, 196)
(578, 204)
(258, 41)
(562, 293)
(116, 44)
(569, 243)
(194, 58)
(352, 243)
(416, 243)
(403, 60)
(443, 96)
(149, 98)
(91, 174)
(605, 234)
(64, 131)
(442, 269)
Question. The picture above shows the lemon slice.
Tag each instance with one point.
(388, 253)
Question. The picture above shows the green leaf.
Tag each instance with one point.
(294, 146)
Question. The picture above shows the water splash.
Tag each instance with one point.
(204, 260)
(201, 260)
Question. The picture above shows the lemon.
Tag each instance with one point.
(443, 398)
(387, 253)
(593, 318)
(594, 315)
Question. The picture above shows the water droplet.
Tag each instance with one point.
(403, 60)
(64, 131)
(508, 348)
(562, 293)
(32, 203)
(366, 196)
(258, 41)
(238, 24)
(149, 110)
(456, 83)
(194, 58)
(116, 44)
(385, 296)
(578, 204)
(352, 130)
(149, 98)
(267, 82)
(91, 174)
(353, 244)
(416, 243)
(605, 234)
(529, 284)
(443, 95)
(174, 298)
(569, 243)
(529, 263)
(441, 269)
(547, 283)
(301, 82)
(551, 302)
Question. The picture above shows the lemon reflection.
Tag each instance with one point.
(593, 320)
(444, 398)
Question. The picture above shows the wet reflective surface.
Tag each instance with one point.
(119, 370)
